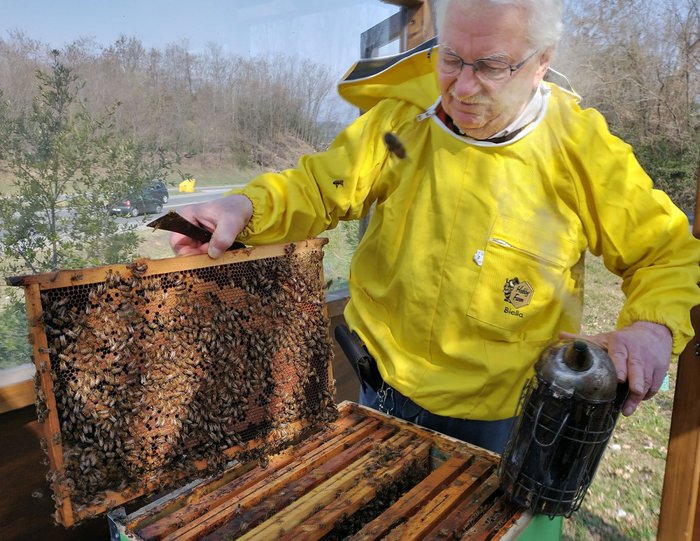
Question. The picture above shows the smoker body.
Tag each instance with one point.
(567, 414)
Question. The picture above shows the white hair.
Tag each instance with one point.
(544, 22)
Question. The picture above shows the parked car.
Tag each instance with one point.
(133, 205)
(158, 189)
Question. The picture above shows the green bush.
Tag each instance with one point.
(673, 168)
(14, 346)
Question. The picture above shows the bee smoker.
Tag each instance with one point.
(566, 415)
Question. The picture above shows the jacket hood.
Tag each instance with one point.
(409, 77)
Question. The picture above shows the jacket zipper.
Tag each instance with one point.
(505, 244)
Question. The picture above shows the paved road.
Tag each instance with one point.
(178, 200)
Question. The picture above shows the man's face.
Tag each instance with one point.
(481, 108)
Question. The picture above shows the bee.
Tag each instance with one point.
(395, 145)
(138, 270)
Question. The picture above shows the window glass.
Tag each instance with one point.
(216, 84)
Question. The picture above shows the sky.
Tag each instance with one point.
(326, 31)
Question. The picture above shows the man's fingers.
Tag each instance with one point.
(656, 383)
(639, 378)
(619, 353)
(225, 218)
(189, 213)
(630, 405)
(225, 235)
(217, 247)
(192, 250)
(183, 245)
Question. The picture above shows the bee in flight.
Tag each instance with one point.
(395, 145)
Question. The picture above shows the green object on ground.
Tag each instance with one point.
(542, 528)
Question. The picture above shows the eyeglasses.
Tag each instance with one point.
(487, 70)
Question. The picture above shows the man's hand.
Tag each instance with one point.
(225, 218)
(641, 354)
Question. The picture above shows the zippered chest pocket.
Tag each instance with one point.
(524, 283)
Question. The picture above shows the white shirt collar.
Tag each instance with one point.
(526, 121)
(529, 113)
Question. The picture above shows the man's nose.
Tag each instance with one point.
(466, 83)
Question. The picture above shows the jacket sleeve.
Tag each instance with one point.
(337, 184)
(643, 237)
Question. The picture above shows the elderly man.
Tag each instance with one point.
(472, 261)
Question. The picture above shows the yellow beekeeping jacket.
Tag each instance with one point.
(472, 260)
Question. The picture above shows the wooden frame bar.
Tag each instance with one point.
(52, 280)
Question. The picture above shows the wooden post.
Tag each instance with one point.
(679, 519)
(413, 25)
(420, 26)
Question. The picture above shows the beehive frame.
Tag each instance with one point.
(161, 370)
(366, 476)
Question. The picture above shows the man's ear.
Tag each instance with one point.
(545, 61)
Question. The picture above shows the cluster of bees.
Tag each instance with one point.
(160, 373)
(412, 472)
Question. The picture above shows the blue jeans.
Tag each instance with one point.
(491, 435)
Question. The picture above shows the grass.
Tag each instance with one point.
(342, 242)
(209, 172)
(624, 499)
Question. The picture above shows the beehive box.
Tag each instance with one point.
(153, 373)
(209, 382)
(364, 476)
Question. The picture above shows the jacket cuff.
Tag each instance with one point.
(250, 226)
(681, 331)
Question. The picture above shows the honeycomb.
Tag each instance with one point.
(156, 373)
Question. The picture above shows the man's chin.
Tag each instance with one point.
(469, 117)
(468, 125)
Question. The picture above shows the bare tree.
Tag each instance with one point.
(637, 61)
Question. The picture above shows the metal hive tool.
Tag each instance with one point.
(157, 371)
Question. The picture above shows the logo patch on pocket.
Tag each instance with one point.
(517, 293)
